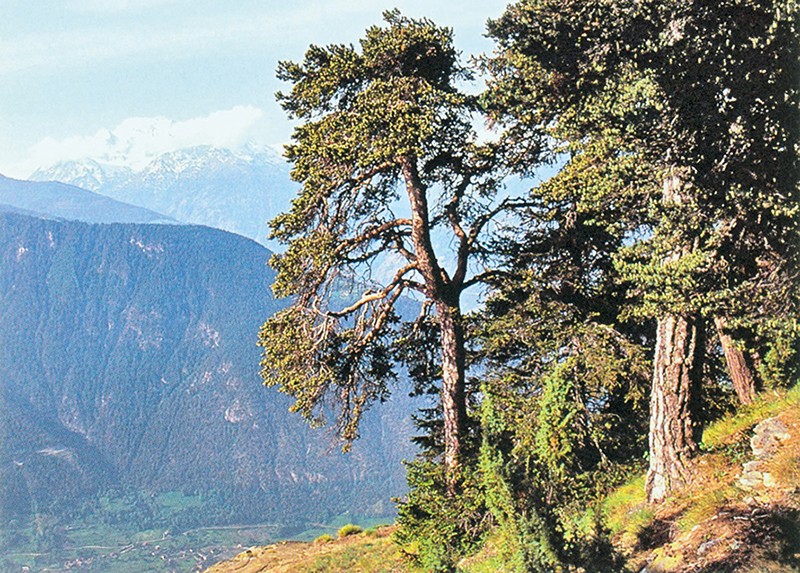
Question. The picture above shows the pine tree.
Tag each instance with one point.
(715, 120)
(388, 159)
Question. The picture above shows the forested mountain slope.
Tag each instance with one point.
(128, 362)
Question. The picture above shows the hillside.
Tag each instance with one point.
(737, 516)
(372, 551)
(129, 391)
(61, 201)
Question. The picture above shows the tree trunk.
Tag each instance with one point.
(676, 377)
(453, 394)
(739, 367)
(441, 291)
(672, 401)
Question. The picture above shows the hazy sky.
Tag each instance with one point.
(126, 79)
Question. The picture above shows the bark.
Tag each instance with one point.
(445, 295)
(672, 401)
(739, 367)
(676, 377)
(453, 394)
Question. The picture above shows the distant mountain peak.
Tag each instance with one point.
(236, 189)
(85, 173)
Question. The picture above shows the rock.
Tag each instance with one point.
(752, 466)
(752, 475)
(706, 546)
(767, 436)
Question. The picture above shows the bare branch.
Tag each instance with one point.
(378, 295)
(371, 233)
(485, 277)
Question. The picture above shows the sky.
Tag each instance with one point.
(124, 80)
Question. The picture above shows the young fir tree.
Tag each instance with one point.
(388, 161)
(718, 126)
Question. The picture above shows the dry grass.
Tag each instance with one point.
(714, 524)
(374, 553)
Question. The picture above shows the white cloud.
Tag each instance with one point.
(137, 140)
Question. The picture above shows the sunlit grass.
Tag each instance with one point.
(731, 429)
(626, 512)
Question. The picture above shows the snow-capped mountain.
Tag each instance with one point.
(87, 174)
(235, 190)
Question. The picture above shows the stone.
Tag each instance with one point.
(706, 546)
(752, 475)
(767, 437)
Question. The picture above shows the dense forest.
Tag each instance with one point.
(130, 401)
(641, 292)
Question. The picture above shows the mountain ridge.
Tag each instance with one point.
(57, 200)
(128, 360)
(235, 190)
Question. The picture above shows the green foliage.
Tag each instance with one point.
(538, 491)
(349, 529)
(781, 362)
(676, 194)
(436, 529)
(378, 117)
(523, 524)
(324, 538)
(306, 357)
(558, 72)
(626, 512)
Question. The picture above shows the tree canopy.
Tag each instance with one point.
(665, 246)
(393, 177)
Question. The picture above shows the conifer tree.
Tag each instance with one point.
(388, 160)
(716, 121)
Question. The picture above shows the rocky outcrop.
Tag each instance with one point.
(765, 442)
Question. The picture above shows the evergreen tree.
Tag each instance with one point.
(388, 160)
(716, 120)
(565, 385)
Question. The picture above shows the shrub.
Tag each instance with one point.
(349, 529)
(436, 530)
(324, 538)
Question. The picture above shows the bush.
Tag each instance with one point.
(349, 529)
(324, 538)
(436, 530)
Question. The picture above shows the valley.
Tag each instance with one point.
(131, 410)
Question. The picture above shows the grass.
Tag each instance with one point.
(355, 552)
(349, 529)
(667, 536)
(334, 525)
(731, 429)
(626, 513)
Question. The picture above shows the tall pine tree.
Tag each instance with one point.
(389, 161)
(716, 121)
